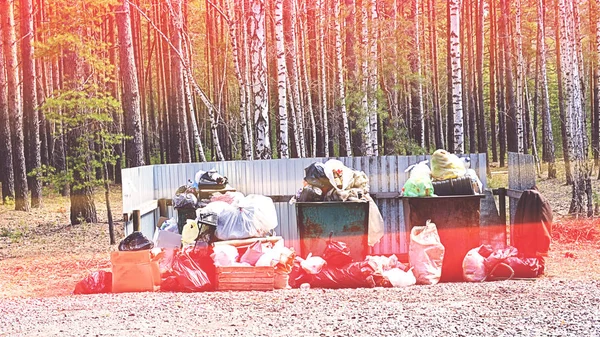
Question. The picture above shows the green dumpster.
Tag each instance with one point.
(347, 220)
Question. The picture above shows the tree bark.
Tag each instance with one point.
(520, 105)
(548, 139)
(574, 114)
(6, 160)
(373, 78)
(30, 112)
(14, 104)
(323, 76)
(511, 114)
(482, 128)
(283, 137)
(340, 78)
(493, 66)
(438, 125)
(418, 122)
(561, 99)
(131, 93)
(456, 79)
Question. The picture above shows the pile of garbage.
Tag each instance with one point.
(333, 181)
(448, 175)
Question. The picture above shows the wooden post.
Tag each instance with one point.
(162, 208)
(502, 204)
(137, 220)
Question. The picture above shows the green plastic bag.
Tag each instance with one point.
(419, 186)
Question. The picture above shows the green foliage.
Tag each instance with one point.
(87, 114)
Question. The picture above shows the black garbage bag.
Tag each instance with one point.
(98, 282)
(524, 267)
(185, 276)
(311, 193)
(336, 253)
(211, 179)
(185, 200)
(354, 275)
(315, 176)
(135, 241)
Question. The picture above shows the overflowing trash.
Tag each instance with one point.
(426, 253)
(448, 175)
(485, 264)
(333, 181)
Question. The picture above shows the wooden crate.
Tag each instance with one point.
(245, 278)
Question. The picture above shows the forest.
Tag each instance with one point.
(88, 87)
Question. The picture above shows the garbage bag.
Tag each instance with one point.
(254, 217)
(375, 226)
(311, 193)
(499, 256)
(313, 264)
(185, 275)
(421, 169)
(353, 275)
(98, 282)
(340, 176)
(524, 267)
(400, 278)
(224, 255)
(135, 241)
(315, 176)
(190, 232)
(210, 179)
(426, 253)
(185, 200)
(418, 186)
(336, 253)
(253, 253)
(446, 165)
(474, 265)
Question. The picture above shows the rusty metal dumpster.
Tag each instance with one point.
(457, 221)
(347, 220)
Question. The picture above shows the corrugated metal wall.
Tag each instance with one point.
(284, 177)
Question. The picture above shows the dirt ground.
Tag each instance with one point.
(42, 257)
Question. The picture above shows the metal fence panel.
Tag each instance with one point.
(282, 177)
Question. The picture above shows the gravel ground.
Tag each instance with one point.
(542, 307)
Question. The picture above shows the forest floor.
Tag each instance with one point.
(42, 257)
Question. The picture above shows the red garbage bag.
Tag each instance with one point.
(98, 282)
(354, 275)
(337, 254)
(185, 276)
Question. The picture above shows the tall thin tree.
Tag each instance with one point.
(6, 161)
(548, 139)
(131, 94)
(14, 104)
(456, 79)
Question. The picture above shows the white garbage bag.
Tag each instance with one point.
(426, 253)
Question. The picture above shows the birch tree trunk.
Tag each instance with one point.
(597, 69)
(237, 61)
(418, 122)
(493, 58)
(561, 100)
(294, 80)
(455, 60)
(365, 79)
(520, 111)
(30, 109)
(323, 74)
(177, 78)
(373, 79)
(131, 94)
(15, 113)
(258, 56)
(439, 134)
(307, 92)
(6, 161)
(340, 77)
(281, 81)
(573, 108)
(548, 139)
(192, 110)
